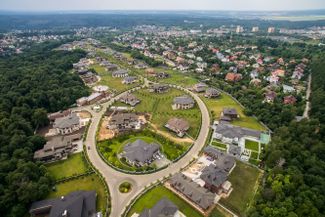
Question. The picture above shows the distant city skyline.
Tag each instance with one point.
(83, 5)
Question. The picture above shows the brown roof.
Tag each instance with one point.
(178, 124)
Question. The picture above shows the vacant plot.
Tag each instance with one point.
(244, 180)
(160, 108)
(74, 165)
(114, 83)
(87, 183)
(216, 106)
(251, 145)
(111, 148)
(149, 199)
(176, 77)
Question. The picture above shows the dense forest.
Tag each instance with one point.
(31, 84)
(294, 183)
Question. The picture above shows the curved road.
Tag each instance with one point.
(113, 177)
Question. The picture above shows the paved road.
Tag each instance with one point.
(113, 178)
(308, 92)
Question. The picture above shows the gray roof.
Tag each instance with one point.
(234, 150)
(130, 78)
(184, 100)
(77, 204)
(67, 121)
(222, 160)
(140, 151)
(164, 208)
(199, 195)
(129, 99)
(212, 91)
(122, 118)
(178, 124)
(232, 131)
(214, 175)
(229, 111)
(120, 72)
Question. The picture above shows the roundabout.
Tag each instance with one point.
(125, 187)
(113, 178)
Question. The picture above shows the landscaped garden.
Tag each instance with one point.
(160, 108)
(74, 165)
(125, 187)
(150, 198)
(244, 180)
(111, 148)
(215, 106)
(87, 183)
(219, 145)
(252, 145)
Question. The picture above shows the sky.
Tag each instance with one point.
(64, 5)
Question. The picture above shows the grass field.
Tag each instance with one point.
(74, 165)
(110, 148)
(251, 145)
(254, 155)
(219, 145)
(113, 83)
(244, 179)
(149, 199)
(216, 106)
(90, 182)
(159, 106)
(219, 212)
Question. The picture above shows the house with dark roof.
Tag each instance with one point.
(57, 148)
(67, 124)
(162, 75)
(121, 73)
(124, 122)
(200, 196)
(178, 125)
(139, 153)
(213, 177)
(229, 114)
(130, 99)
(75, 204)
(164, 208)
(199, 87)
(129, 80)
(158, 88)
(183, 102)
(211, 93)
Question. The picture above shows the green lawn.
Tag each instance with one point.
(160, 107)
(176, 77)
(216, 106)
(219, 145)
(219, 212)
(252, 145)
(244, 179)
(110, 148)
(254, 155)
(113, 83)
(90, 182)
(74, 165)
(149, 199)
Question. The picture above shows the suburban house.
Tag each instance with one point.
(164, 208)
(93, 98)
(130, 99)
(129, 80)
(68, 124)
(199, 87)
(289, 100)
(75, 204)
(178, 125)
(270, 96)
(183, 102)
(162, 75)
(124, 122)
(121, 73)
(89, 78)
(233, 77)
(212, 93)
(229, 114)
(139, 153)
(159, 88)
(214, 178)
(288, 89)
(200, 196)
(57, 148)
(231, 134)
(59, 114)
